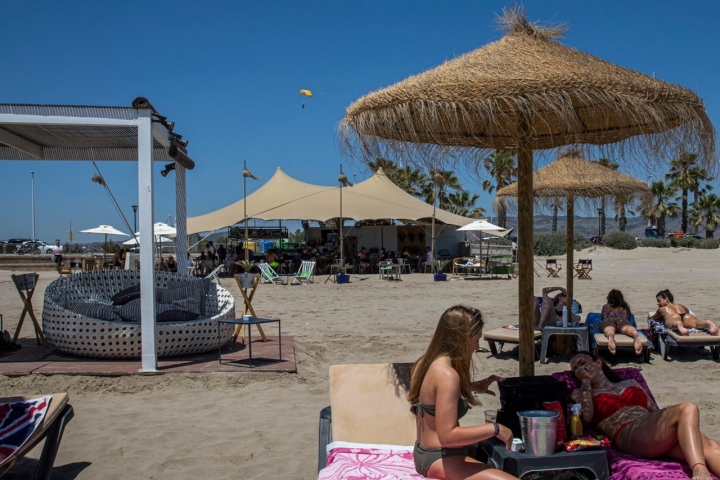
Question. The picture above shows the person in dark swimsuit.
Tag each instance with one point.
(615, 317)
(679, 317)
(441, 392)
(624, 412)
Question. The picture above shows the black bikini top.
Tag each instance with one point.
(463, 407)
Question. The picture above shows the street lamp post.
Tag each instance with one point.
(135, 207)
(246, 174)
(344, 182)
(32, 202)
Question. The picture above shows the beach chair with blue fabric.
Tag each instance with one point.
(599, 341)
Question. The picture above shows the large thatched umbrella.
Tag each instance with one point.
(571, 177)
(525, 92)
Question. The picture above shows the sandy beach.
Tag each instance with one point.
(256, 425)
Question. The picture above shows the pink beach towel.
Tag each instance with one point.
(370, 462)
(624, 466)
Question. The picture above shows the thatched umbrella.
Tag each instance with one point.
(525, 92)
(571, 177)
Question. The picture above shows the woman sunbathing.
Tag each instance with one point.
(441, 392)
(678, 317)
(626, 414)
(615, 318)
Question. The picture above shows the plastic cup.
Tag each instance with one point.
(490, 416)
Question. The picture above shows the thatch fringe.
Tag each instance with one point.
(514, 21)
(476, 103)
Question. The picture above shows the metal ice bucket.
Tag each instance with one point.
(539, 429)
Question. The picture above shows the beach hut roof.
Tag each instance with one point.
(527, 84)
(573, 176)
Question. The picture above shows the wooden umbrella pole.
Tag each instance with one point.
(526, 286)
(570, 248)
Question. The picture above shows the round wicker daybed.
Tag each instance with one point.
(78, 334)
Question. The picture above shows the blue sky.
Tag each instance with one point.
(228, 73)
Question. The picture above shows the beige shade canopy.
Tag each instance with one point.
(525, 92)
(284, 198)
(573, 176)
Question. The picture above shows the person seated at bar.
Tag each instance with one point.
(624, 412)
(362, 260)
(172, 264)
(119, 259)
(615, 317)
(272, 259)
(678, 317)
(549, 310)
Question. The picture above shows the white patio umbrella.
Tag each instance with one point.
(486, 227)
(136, 241)
(105, 230)
(160, 229)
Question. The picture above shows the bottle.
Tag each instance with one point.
(576, 426)
(575, 310)
(564, 316)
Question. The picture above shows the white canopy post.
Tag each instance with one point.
(181, 219)
(147, 247)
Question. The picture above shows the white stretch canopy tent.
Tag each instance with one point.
(137, 133)
(284, 198)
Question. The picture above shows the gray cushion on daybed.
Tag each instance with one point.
(95, 310)
(201, 286)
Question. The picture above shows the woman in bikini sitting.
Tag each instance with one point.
(441, 392)
(615, 317)
(625, 413)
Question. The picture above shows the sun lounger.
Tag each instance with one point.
(599, 341)
(51, 429)
(368, 414)
(667, 338)
(503, 336)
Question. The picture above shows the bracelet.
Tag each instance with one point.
(497, 429)
(699, 463)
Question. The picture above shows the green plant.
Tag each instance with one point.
(549, 244)
(708, 243)
(440, 265)
(684, 242)
(497, 241)
(344, 267)
(246, 265)
(580, 242)
(654, 242)
(620, 241)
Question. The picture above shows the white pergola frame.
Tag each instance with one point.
(149, 131)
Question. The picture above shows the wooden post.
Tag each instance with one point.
(526, 285)
(569, 270)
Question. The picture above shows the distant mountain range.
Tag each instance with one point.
(589, 226)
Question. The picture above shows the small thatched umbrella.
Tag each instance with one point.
(571, 177)
(525, 92)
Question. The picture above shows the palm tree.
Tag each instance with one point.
(556, 206)
(698, 176)
(680, 176)
(662, 205)
(461, 203)
(706, 210)
(442, 181)
(623, 205)
(613, 166)
(501, 166)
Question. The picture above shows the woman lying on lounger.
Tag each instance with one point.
(615, 317)
(625, 413)
(678, 317)
(441, 392)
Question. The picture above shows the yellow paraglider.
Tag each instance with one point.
(306, 92)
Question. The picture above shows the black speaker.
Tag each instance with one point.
(528, 393)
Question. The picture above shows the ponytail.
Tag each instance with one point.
(666, 294)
